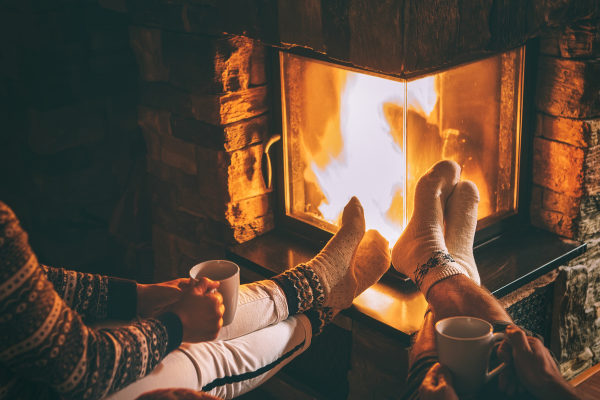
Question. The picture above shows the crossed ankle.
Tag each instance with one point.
(302, 289)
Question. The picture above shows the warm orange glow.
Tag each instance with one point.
(355, 134)
(370, 165)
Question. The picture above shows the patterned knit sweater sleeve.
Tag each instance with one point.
(94, 297)
(43, 340)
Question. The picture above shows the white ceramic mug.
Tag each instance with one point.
(228, 275)
(464, 346)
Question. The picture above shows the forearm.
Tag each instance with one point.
(94, 297)
(73, 359)
(44, 340)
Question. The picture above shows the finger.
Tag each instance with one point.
(444, 375)
(205, 285)
(518, 339)
(505, 351)
(217, 296)
(222, 310)
(430, 380)
(536, 345)
(187, 283)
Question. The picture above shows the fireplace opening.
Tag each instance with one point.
(350, 132)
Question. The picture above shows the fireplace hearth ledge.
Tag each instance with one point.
(395, 308)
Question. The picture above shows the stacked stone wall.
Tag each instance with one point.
(204, 115)
(566, 182)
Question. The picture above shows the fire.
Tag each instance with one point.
(354, 134)
(371, 164)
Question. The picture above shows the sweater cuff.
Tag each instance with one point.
(174, 330)
(122, 299)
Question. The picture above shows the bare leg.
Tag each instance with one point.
(455, 296)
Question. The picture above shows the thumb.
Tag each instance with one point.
(444, 375)
(205, 285)
(518, 339)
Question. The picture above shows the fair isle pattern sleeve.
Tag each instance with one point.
(86, 294)
(43, 340)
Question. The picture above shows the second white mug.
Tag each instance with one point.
(464, 346)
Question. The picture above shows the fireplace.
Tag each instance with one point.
(207, 106)
(351, 132)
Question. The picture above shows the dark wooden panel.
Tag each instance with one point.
(521, 256)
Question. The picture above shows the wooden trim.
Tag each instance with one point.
(587, 374)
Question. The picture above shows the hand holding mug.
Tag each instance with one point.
(201, 312)
(437, 384)
(464, 346)
(535, 367)
(156, 298)
(228, 276)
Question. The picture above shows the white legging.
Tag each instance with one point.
(260, 341)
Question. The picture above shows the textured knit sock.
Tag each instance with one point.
(460, 219)
(333, 264)
(328, 279)
(371, 260)
(319, 318)
(420, 253)
(302, 289)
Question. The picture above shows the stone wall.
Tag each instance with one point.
(566, 178)
(203, 112)
(566, 161)
(71, 153)
(393, 37)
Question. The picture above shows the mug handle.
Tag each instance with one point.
(497, 337)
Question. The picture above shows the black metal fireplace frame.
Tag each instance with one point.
(317, 235)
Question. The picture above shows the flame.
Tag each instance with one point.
(355, 134)
(371, 163)
(422, 96)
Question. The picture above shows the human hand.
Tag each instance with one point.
(534, 367)
(156, 298)
(201, 311)
(437, 384)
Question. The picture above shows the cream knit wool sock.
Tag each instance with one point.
(420, 253)
(460, 217)
(371, 260)
(333, 264)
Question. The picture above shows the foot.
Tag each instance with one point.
(333, 264)
(460, 217)
(328, 279)
(371, 261)
(420, 253)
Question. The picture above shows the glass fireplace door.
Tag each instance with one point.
(351, 133)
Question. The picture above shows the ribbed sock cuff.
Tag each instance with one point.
(289, 291)
(440, 273)
(319, 318)
(174, 329)
(121, 302)
(316, 322)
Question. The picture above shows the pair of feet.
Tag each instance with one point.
(436, 244)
